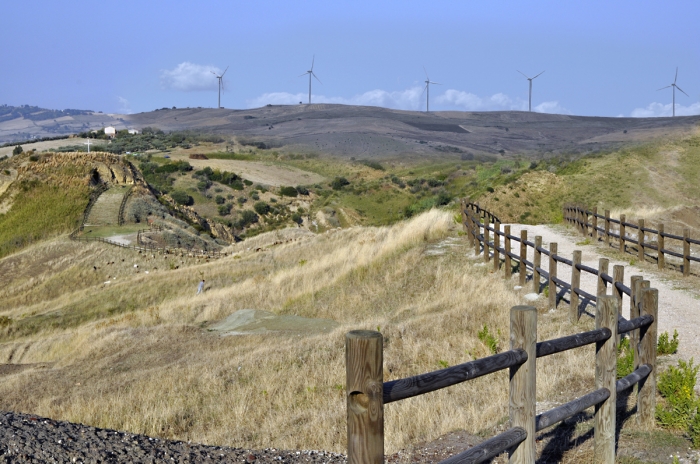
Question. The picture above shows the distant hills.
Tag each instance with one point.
(368, 132)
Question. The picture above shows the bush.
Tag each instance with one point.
(17, 150)
(296, 217)
(203, 185)
(247, 217)
(288, 192)
(339, 182)
(225, 209)
(677, 387)
(181, 198)
(488, 339)
(625, 358)
(242, 200)
(237, 185)
(665, 346)
(255, 196)
(302, 190)
(219, 200)
(261, 208)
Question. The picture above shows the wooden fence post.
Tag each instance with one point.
(660, 245)
(522, 267)
(575, 285)
(606, 377)
(477, 232)
(686, 252)
(607, 227)
(622, 232)
(646, 397)
(640, 239)
(496, 245)
(618, 276)
(552, 275)
(365, 386)
(506, 244)
(594, 232)
(536, 262)
(602, 269)
(486, 241)
(635, 296)
(584, 213)
(523, 389)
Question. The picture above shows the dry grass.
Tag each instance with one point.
(135, 354)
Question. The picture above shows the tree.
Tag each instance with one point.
(17, 150)
(261, 208)
(339, 182)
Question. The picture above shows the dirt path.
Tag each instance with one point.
(679, 308)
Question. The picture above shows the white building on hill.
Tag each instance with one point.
(110, 132)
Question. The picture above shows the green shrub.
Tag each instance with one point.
(339, 182)
(242, 200)
(288, 192)
(677, 388)
(237, 185)
(34, 158)
(296, 217)
(255, 196)
(225, 209)
(261, 208)
(181, 198)
(625, 358)
(17, 150)
(488, 339)
(246, 218)
(664, 346)
(247, 182)
(302, 190)
(219, 200)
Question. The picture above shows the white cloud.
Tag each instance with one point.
(124, 105)
(189, 77)
(413, 98)
(659, 109)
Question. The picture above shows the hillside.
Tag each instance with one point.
(381, 133)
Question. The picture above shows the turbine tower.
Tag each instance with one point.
(674, 91)
(529, 99)
(427, 90)
(221, 83)
(310, 72)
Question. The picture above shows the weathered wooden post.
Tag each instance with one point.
(594, 232)
(463, 205)
(523, 389)
(622, 233)
(660, 258)
(486, 241)
(496, 245)
(640, 239)
(618, 277)
(575, 285)
(536, 262)
(365, 386)
(646, 398)
(606, 377)
(635, 296)
(602, 269)
(506, 244)
(686, 252)
(552, 285)
(584, 216)
(607, 227)
(522, 268)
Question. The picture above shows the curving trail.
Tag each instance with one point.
(679, 297)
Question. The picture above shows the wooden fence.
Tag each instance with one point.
(656, 242)
(367, 393)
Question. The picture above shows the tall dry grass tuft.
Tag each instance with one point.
(136, 354)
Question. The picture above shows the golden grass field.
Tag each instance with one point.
(135, 354)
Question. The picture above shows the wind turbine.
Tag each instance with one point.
(310, 72)
(674, 91)
(427, 90)
(221, 83)
(529, 99)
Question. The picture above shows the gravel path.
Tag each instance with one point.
(679, 309)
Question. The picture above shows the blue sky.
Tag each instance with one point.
(601, 58)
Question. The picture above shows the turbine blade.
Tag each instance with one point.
(213, 73)
(435, 83)
(222, 74)
(523, 74)
(664, 87)
(538, 75)
(312, 62)
(682, 91)
(676, 78)
(307, 72)
(313, 74)
(426, 73)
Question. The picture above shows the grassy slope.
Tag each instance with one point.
(43, 206)
(135, 353)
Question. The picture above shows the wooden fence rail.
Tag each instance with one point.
(579, 217)
(367, 393)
